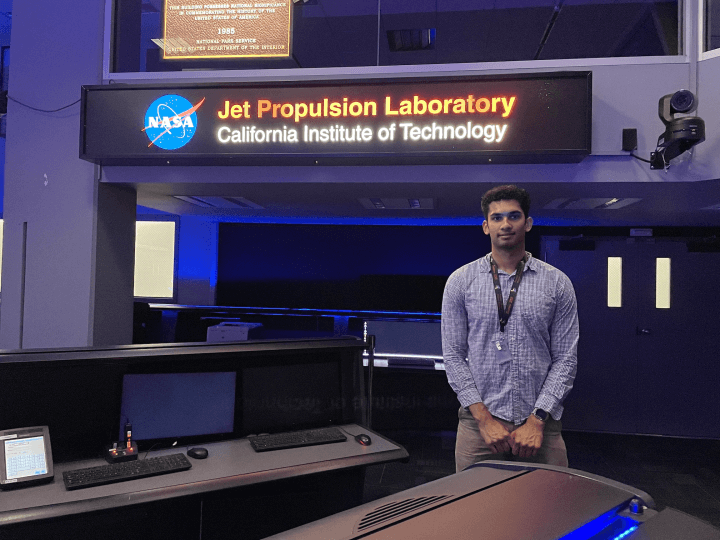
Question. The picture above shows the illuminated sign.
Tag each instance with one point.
(538, 118)
(219, 29)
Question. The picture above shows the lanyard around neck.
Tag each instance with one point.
(505, 311)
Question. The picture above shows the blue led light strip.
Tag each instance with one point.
(608, 526)
(627, 532)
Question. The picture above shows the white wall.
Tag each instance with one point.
(708, 153)
(49, 297)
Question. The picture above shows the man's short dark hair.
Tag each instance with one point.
(506, 193)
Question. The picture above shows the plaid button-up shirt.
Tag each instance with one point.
(541, 336)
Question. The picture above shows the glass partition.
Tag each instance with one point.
(712, 25)
(152, 36)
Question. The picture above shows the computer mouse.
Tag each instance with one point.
(198, 453)
(363, 439)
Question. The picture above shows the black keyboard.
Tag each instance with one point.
(127, 470)
(294, 439)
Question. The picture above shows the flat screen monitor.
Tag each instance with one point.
(288, 397)
(178, 407)
(406, 337)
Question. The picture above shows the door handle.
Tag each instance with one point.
(643, 331)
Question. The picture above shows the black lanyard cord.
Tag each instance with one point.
(505, 311)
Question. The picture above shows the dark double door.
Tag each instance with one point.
(643, 369)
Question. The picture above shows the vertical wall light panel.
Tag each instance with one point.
(155, 259)
(662, 283)
(614, 283)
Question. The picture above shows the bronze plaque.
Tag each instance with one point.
(215, 29)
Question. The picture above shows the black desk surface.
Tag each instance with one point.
(229, 464)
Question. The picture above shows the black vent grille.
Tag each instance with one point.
(577, 244)
(394, 509)
(411, 40)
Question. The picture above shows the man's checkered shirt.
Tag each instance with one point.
(542, 337)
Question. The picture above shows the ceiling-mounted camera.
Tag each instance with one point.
(681, 133)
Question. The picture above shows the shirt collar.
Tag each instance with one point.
(530, 264)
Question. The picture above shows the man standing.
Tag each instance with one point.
(510, 334)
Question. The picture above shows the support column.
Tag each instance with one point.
(62, 232)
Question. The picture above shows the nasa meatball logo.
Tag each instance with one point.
(171, 122)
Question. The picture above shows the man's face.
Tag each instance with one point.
(506, 224)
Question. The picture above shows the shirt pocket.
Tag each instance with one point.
(538, 311)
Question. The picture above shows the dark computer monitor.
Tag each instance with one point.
(260, 396)
(165, 408)
(291, 396)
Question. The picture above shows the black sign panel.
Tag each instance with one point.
(500, 119)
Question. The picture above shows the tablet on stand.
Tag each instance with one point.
(25, 457)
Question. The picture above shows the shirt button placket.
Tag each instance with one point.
(512, 331)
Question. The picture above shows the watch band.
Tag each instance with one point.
(540, 414)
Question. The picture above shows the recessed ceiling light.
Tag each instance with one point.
(600, 203)
(194, 200)
(397, 203)
(219, 202)
(377, 203)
